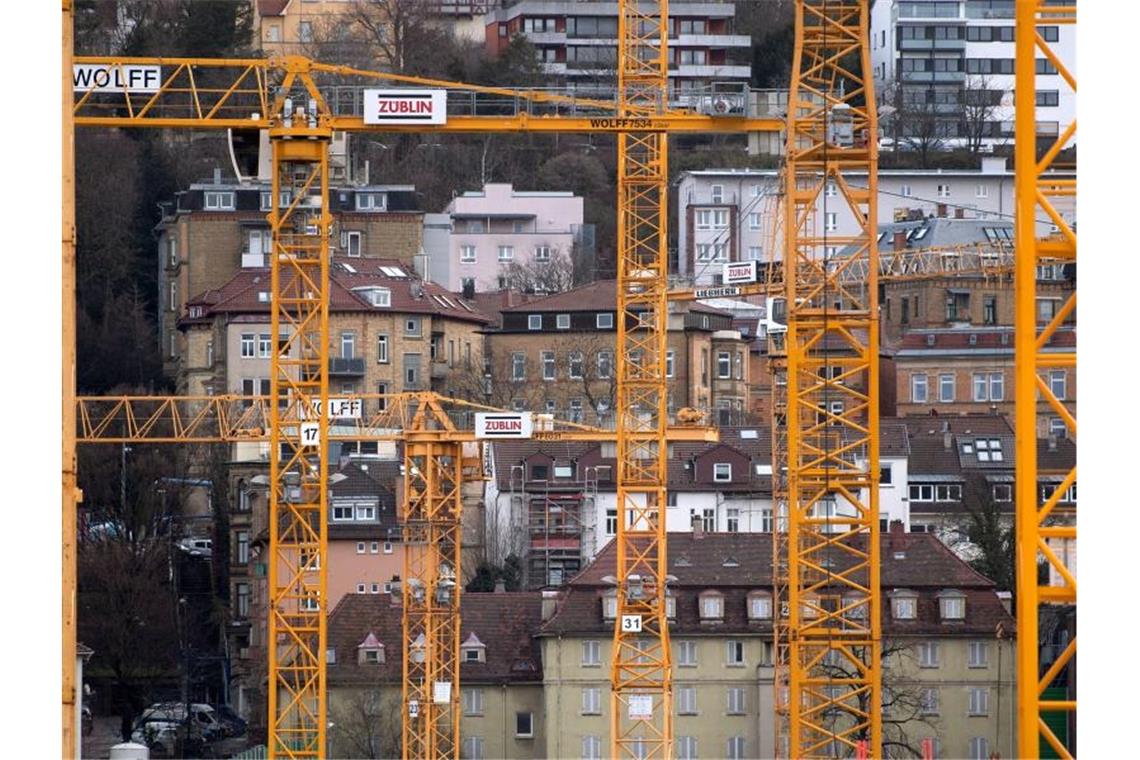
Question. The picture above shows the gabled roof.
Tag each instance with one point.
(272, 7)
(508, 621)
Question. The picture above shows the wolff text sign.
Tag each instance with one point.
(123, 78)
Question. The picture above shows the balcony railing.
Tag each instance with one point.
(346, 367)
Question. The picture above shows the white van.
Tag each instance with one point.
(202, 717)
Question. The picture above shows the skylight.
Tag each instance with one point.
(393, 271)
(749, 434)
(989, 449)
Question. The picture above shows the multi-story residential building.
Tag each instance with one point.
(727, 214)
(390, 332)
(498, 226)
(556, 355)
(577, 43)
(216, 229)
(971, 370)
(950, 63)
(554, 505)
(948, 650)
(501, 696)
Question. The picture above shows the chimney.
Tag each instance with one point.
(217, 175)
(947, 440)
(397, 593)
(941, 211)
(469, 289)
(959, 213)
(500, 586)
(900, 240)
(698, 527)
(549, 604)
(1052, 442)
(896, 533)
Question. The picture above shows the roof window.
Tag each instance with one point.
(989, 449)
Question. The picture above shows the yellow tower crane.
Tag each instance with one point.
(1046, 530)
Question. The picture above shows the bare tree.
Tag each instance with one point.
(980, 103)
(986, 536)
(554, 275)
(366, 723)
(403, 33)
(918, 123)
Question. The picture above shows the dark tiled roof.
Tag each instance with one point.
(504, 622)
(241, 294)
(596, 296)
(929, 454)
(378, 482)
(736, 563)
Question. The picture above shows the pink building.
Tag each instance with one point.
(497, 225)
(364, 548)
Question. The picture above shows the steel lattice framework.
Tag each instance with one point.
(1046, 531)
(832, 392)
(641, 706)
(778, 365)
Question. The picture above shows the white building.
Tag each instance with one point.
(728, 214)
(936, 49)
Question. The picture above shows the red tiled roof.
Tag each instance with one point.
(600, 295)
(505, 622)
(271, 7)
(986, 339)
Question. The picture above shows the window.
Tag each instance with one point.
(524, 725)
(1058, 427)
(310, 603)
(467, 254)
(366, 513)
(735, 750)
(605, 365)
(1045, 66)
(759, 607)
(1057, 383)
(982, 191)
(575, 410)
(989, 450)
(989, 310)
(241, 595)
(473, 747)
(754, 252)
(374, 547)
(997, 386)
(534, 322)
(928, 654)
(347, 345)
(918, 389)
(1049, 33)
(946, 388)
(412, 327)
(686, 748)
(411, 371)
(247, 345)
(905, 191)
(979, 748)
(359, 544)
(735, 653)
(670, 362)
(687, 654)
(704, 219)
(518, 366)
(732, 520)
(542, 253)
(218, 201)
(174, 296)
(591, 653)
(753, 221)
(722, 472)
(548, 372)
(735, 701)
(381, 349)
(979, 654)
(831, 221)
(928, 702)
(591, 701)
(241, 548)
(576, 362)
(506, 252)
(716, 192)
(952, 607)
(687, 700)
(943, 191)
(979, 701)
(904, 607)
(611, 522)
(472, 701)
(1003, 492)
(946, 493)
(723, 365)
(387, 547)
(591, 748)
(712, 606)
(563, 322)
(1047, 308)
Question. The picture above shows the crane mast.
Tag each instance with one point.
(832, 441)
(1046, 530)
(641, 712)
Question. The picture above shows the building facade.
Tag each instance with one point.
(951, 62)
(556, 355)
(577, 43)
(218, 229)
(492, 228)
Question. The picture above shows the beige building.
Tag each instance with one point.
(557, 355)
(500, 693)
(389, 332)
(216, 230)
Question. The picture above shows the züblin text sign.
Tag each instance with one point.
(501, 425)
(403, 106)
(739, 271)
(102, 78)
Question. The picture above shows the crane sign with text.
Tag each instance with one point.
(404, 106)
(119, 78)
(504, 425)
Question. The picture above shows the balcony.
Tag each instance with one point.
(346, 367)
(439, 369)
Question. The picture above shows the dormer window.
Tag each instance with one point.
(609, 605)
(670, 605)
(904, 605)
(810, 607)
(370, 650)
(856, 605)
(952, 605)
(722, 472)
(712, 605)
(473, 650)
(759, 605)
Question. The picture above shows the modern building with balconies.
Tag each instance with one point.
(577, 42)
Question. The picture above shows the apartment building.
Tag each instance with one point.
(497, 226)
(556, 355)
(966, 370)
(577, 44)
(501, 693)
(218, 228)
(554, 505)
(389, 332)
(938, 54)
(728, 214)
(946, 657)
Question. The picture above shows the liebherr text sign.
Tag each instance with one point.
(405, 106)
(93, 76)
(501, 425)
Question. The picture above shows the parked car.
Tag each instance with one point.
(232, 723)
(162, 738)
(202, 717)
(197, 547)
